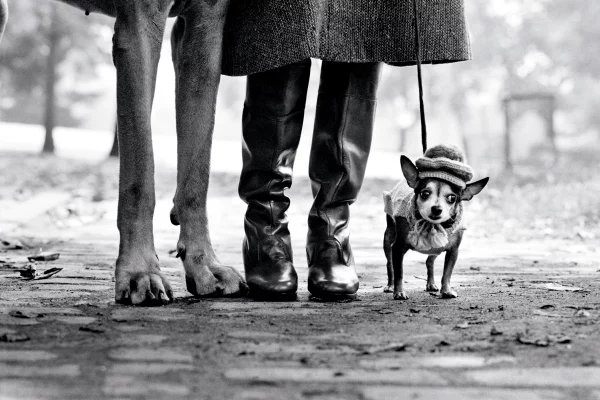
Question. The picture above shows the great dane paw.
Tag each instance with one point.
(431, 287)
(448, 293)
(211, 279)
(141, 284)
(388, 289)
(400, 295)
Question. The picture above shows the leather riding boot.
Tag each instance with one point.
(272, 124)
(340, 149)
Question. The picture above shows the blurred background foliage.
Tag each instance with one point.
(56, 70)
(54, 63)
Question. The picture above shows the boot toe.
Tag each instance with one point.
(272, 280)
(337, 281)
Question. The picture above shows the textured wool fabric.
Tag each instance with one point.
(265, 34)
(424, 236)
(445, 169)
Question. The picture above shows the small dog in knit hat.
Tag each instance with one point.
(425, 213)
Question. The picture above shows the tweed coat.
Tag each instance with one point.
(265, 34)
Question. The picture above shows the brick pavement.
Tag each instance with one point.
(507, 336)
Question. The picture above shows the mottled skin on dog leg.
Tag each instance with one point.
(431, 286)
(196, 42)
(137, 41)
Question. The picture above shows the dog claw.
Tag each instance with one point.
(180, 252)
(388, 289)
(141, 285)
(164, 298)
(173, 217)
(449, 295)
(431, 288)
(400, 296)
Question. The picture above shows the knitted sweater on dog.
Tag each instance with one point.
(424, 236)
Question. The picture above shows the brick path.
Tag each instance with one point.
(507, 336)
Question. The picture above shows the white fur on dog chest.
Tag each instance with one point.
(424, 236)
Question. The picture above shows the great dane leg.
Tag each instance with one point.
(3, 16)
(196, 41)
(136, 49)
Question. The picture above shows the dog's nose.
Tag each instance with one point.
(436, 210)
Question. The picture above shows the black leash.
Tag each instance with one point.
(420, 78)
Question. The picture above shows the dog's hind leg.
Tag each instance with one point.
(388, 241)
(196, 41)
(430, 287)
(136, 49)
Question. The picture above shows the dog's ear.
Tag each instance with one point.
(473, 189)
(410, 171)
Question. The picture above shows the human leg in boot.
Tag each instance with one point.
(340, 149)
(272, 124)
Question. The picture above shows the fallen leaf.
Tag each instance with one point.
(44, 256)
(582, 314)
(92, 328)
(540, 342)
(590, 363)
(559, 287)
(11, 337)
(48, 273)
(547, 306)
(384, 348)
(18, 314)
(30, 274)
(495, 332)
(547, 314)
(11, 244)
(562, 339)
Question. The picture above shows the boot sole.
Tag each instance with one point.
(329, 297)
(271, 296)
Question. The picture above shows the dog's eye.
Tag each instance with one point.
(451, 198)
(424, 194)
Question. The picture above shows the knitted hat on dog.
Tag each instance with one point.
(445, 162)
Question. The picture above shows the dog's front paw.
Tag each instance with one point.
(229, 281)
(400, 295)
(388, 289)
(208, 278)
(448, 293)
(141, 283)
(431, 287)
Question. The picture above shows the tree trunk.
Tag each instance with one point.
(114, 152)
(51, 66)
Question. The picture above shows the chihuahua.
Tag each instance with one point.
(424, 213)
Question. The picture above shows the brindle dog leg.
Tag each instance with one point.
(398, 252)
(431, 286)
(388, 241)
(196, 43)
(3, 16)
(136, 49)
